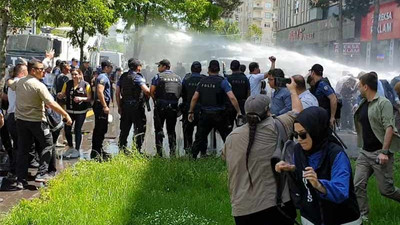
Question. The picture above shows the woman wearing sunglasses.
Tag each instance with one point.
(78, 95)
(321, 172)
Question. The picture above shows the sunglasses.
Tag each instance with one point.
(40, 69)
(302, 135)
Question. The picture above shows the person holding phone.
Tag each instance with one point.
(281, 102)
(321, 172)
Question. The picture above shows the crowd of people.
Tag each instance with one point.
(281, 148)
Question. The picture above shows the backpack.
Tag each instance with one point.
(54, 120)
(284, 151)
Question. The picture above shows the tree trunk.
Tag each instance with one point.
(374, 43)
(5, 20)
(82, 45)
(340, 32)
(136, 42)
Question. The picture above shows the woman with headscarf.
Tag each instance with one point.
(248, 151)
(321, 172)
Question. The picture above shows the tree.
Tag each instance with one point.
(228, 29)
(196, 15)
(15, 13)
(87, 18)
(254, 33)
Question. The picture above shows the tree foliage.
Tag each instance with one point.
(254, 33)
(228, 29)
(87, 17)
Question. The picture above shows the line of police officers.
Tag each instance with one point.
(209, 102)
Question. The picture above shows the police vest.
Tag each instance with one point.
(130, 91)
(240, 87)
(323, 101)
(211, 92)
(169, 87)
(190, 86)
(71, 93)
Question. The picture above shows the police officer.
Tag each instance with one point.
(165, 90)
(240, 88)
(132, 88)
(323, 92)
(210, 93)
(189, 85)
(102, 98)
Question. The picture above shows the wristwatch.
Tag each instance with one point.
(386, 152)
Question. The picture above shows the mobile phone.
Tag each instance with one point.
(281, 82)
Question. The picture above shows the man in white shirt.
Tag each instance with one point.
(256, 77)
(307, 99)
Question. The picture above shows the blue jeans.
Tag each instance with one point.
(78, 119)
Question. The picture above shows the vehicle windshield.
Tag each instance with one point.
(28, 43)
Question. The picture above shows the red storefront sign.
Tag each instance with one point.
(300, 35)
(388, 25)
(349, 48)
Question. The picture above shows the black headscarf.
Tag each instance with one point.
(316, 122)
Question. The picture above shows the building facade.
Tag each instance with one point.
(260, 13)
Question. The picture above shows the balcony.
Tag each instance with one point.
(257, 18)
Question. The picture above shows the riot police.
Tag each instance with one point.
(131, 96)
(189, 85)
(210, 93)
(165, 90)
(240, 88)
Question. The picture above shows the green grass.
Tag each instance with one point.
(136, 190)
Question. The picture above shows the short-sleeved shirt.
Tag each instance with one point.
(323, 89)
(12, 97)
(138, 80)
(246, 200)
(255, 83)
(307, 99)
(102, 79)
(32, 95)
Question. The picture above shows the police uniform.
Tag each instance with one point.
(132, 107)
(212, 94)
(168, 91)
(240, 88)
(321, 91)
(189, 86)
(100, 118)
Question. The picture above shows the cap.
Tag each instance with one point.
(106, 63)
(318, 69)
(214, 65)
(134, 63)
(196, 65)
(74, 60)
(235, 65)
(85, 61)
(257, 104)
(164, 62)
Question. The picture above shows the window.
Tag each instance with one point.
(268, 15)
(268, 5)
(267, 25)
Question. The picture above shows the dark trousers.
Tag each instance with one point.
(347, 120)
(188, 129)
(29, 133)
(208, 121)
(231, 114)
(100, 127)
(78, 120)
(132, 114)
(270, 216)
(52, 164)
(12, 129)
(165, 114)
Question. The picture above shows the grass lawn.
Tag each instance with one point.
(136, 190)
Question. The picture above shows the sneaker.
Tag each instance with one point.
(11, 177)
(85, 155)
(71, 153)
(21, 185)
(43, 177)
(34, 164)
